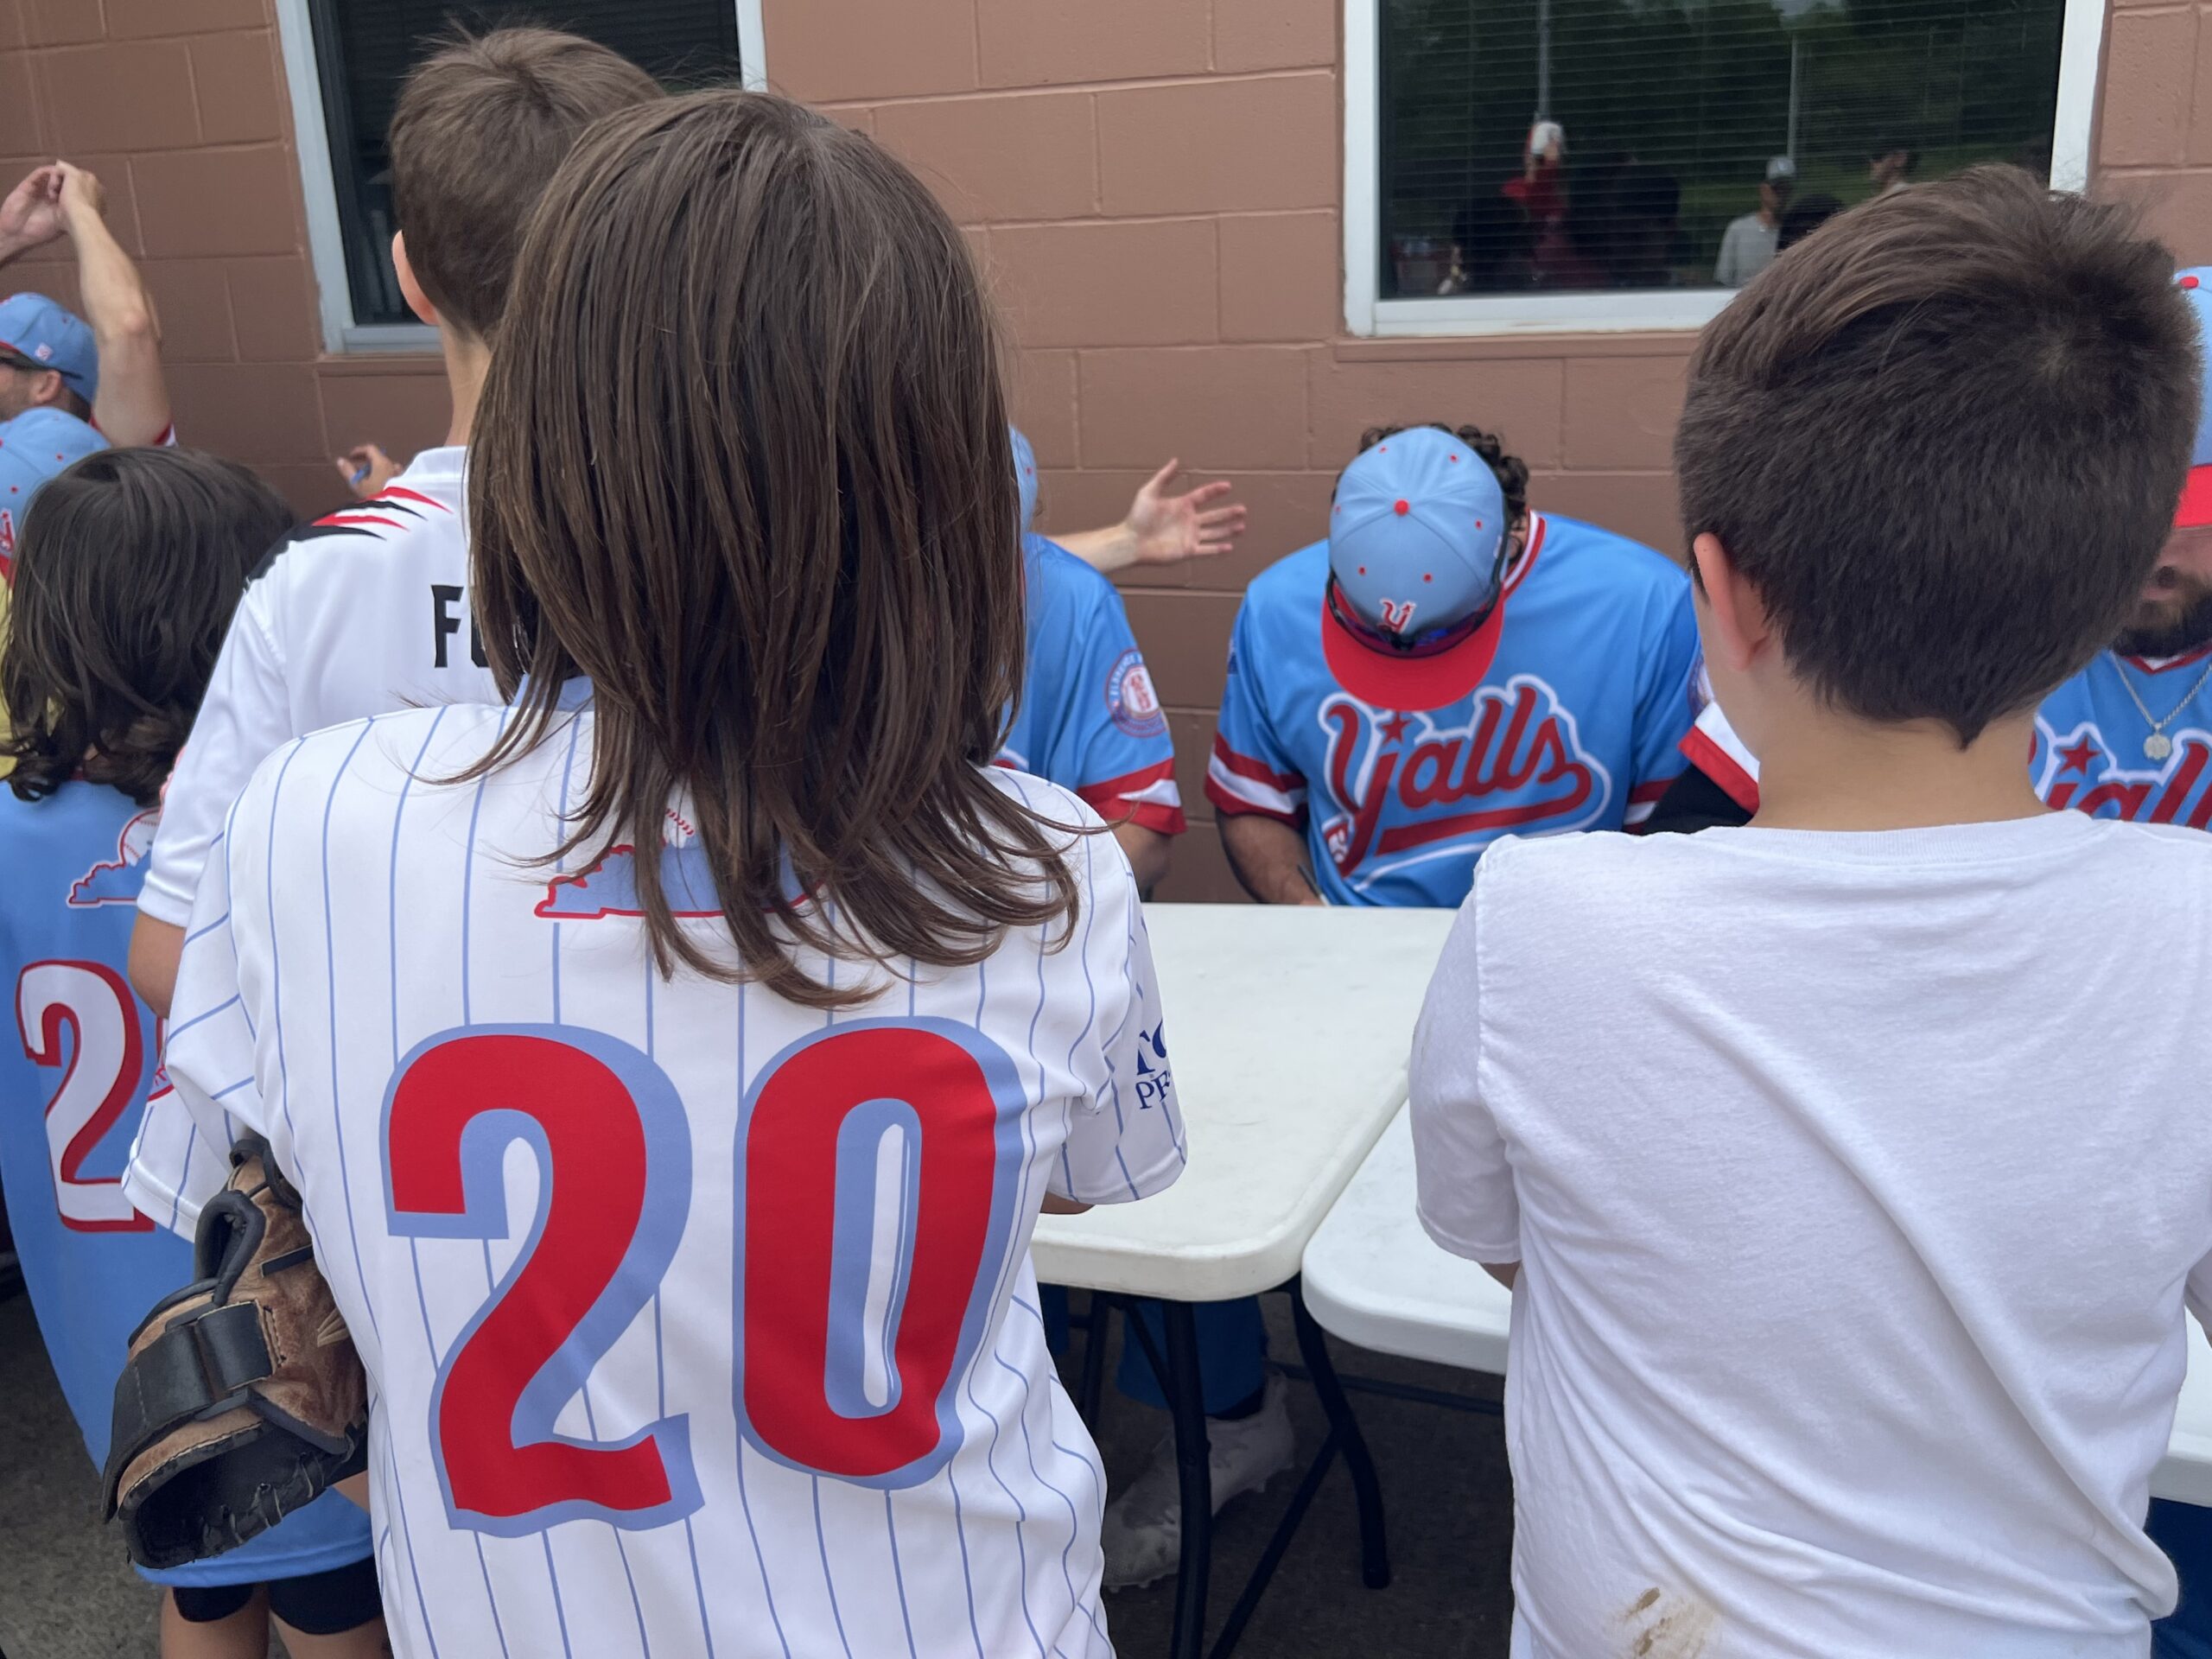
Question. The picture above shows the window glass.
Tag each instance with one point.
(1581, 145)
(364, 49)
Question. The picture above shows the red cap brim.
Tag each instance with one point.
(1410, 684)
(2195, 500)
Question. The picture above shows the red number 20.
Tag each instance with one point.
(854, 1321)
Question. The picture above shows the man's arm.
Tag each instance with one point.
(1162, 528)
(1270, 859)
(155, 949)
(133, 403)
(1147, 852)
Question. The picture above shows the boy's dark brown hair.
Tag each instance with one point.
(1943, 438)
(127, 571)
(481, 127)
(742, 460)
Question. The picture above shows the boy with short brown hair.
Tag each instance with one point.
(1852, 1198)
(367, 609)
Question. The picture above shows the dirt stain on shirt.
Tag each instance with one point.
(1663, 1626)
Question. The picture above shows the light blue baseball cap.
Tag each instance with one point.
(1025, 474)
(37, 330)
(1414, 544)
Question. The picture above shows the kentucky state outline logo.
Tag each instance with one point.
(608, 885)
(2079, 769)
(1408, 788)
(117, 880)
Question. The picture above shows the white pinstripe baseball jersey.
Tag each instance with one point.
(696, 1322)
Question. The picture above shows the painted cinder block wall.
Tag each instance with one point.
(1154, 186)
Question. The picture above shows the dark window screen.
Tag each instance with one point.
(1665, 118)
(364, 47)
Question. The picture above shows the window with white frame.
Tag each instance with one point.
(346, 59)
(1568, 164)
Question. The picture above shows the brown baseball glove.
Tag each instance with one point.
(242, 1399)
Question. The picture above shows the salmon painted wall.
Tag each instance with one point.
(1153, 185)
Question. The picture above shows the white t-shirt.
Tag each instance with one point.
(1857, 1182)
(365, 610)
(1747, 247)
(696, 1321)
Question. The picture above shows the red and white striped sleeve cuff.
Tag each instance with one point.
(1238, 783)
(1148, 799)
(1715, 750)
(1643, 800)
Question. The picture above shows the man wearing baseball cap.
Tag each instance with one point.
(103, 368)
(1448, 667)
(1749, 245)
(56, 404)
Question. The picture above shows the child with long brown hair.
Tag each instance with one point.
(675, 1063)
(127, 571)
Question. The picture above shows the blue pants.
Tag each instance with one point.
(2184, 1532)
(1232, 1350)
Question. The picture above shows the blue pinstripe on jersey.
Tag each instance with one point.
(414, 1250)
(744, 1498)
(330, 982)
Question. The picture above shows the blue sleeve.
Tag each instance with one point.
(1100, 729)
(1249, 770)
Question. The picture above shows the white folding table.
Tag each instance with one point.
(1375, 1278)
(1287, 1031)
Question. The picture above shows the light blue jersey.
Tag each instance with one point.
(71, 1094)
(2097, 751)
(2146, 758)
(1089, 719)
(1575, 726)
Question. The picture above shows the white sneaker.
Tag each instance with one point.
(1143, 1533)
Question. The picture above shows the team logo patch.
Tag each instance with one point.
(117, 880)
(608, 885)
(1409, 788)
(1130, 699)
(1398, 615)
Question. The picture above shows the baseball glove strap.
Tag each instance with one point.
(242, 1399)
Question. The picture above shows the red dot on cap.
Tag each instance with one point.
(1363, 569)
(1402, 508)
(1424, 576)
(1454, 460)
(2189, 281)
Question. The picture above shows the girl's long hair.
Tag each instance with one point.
(742, 460)
(130, 565)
